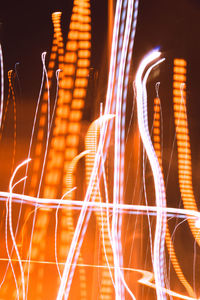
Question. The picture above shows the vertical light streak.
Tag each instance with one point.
(157, 174)
(170, 246)
(161, 228)
(117, 45)
(115, 64)
(117, 156)
(80, 46)
(2, 85)
(11, 187)
(125, 89)
(110, 25)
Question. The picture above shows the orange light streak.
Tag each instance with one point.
(183, 142)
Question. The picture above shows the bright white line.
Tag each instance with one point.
(130, 207)
(157, 174)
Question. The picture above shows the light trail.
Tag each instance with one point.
(117, 193)
(157, 174)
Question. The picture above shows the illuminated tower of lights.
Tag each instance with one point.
(183, 142)
(169, 243)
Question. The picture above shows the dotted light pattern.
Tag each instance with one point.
(183, 141)
(78, 47)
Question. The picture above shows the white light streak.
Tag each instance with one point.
(157, 174)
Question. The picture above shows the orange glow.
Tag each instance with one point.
(73, 35)
(72, 45)
(74, 127)
(84, 53)
(180, 62)
(82, 72)
(75, 115)
(69, 70)
(84, 35)
(79, 93)
(84, 63)
(84, 44)
(178, 69)
(179, 77)
(78, 104)
(70, 57)
(81, 82)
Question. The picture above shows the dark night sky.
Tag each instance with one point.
(27, 30)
